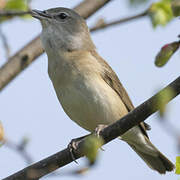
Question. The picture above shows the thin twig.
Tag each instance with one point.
(133, 118)
(7, 13)
(21, 149)
(5, 43)
(103, 25)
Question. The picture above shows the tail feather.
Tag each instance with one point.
(166, 162)
(156, 162)
(138, 140)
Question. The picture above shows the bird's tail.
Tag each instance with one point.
(153, 157)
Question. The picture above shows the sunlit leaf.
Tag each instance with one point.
(162, 100)
(177, 165)
(91, 146)
(161, 13)
(15, 5)
(166, 53)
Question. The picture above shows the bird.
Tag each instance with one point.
(87, 88)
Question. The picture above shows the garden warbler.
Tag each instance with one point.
(86, 86)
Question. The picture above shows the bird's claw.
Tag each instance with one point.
(72, 146)
(97, 131)
(99, 128)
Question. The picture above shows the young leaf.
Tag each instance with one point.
(17, 5)
(161, 13)
(91, 146)
(162, 100)
(177, 165)
(166, 53)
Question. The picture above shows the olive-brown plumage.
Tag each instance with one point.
(86, 86)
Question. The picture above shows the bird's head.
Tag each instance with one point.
(64, 28)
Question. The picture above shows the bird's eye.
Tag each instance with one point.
(62, 15)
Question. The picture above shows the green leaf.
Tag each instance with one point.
(162, 100)
(177, 165)
(161, 13)
(91, 146)
(17, 5)
(175, 5)
(166, 53)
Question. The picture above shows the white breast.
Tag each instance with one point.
(88, 100)
(85, 97)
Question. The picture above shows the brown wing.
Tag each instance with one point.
(112, 80)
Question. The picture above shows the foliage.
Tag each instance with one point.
(166, 53)
(21, 5)
(162, 100)
(177, 165)
(161, 13)
(15, 5)
(91, 146)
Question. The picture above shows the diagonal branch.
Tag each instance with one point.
(103, 25)
(5, 43)
(63, 157)
(23, 58)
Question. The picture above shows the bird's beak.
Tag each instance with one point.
(40, 14)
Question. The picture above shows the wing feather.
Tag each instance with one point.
(110, 77)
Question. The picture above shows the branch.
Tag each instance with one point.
(103, 25)
(5, 43)
(13, 13)
(63, 157)
(32, 50)
(20, 61)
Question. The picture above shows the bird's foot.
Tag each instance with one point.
(98, 129)
(73, 146)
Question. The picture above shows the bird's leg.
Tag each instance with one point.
(98, 129)
(73, 145)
